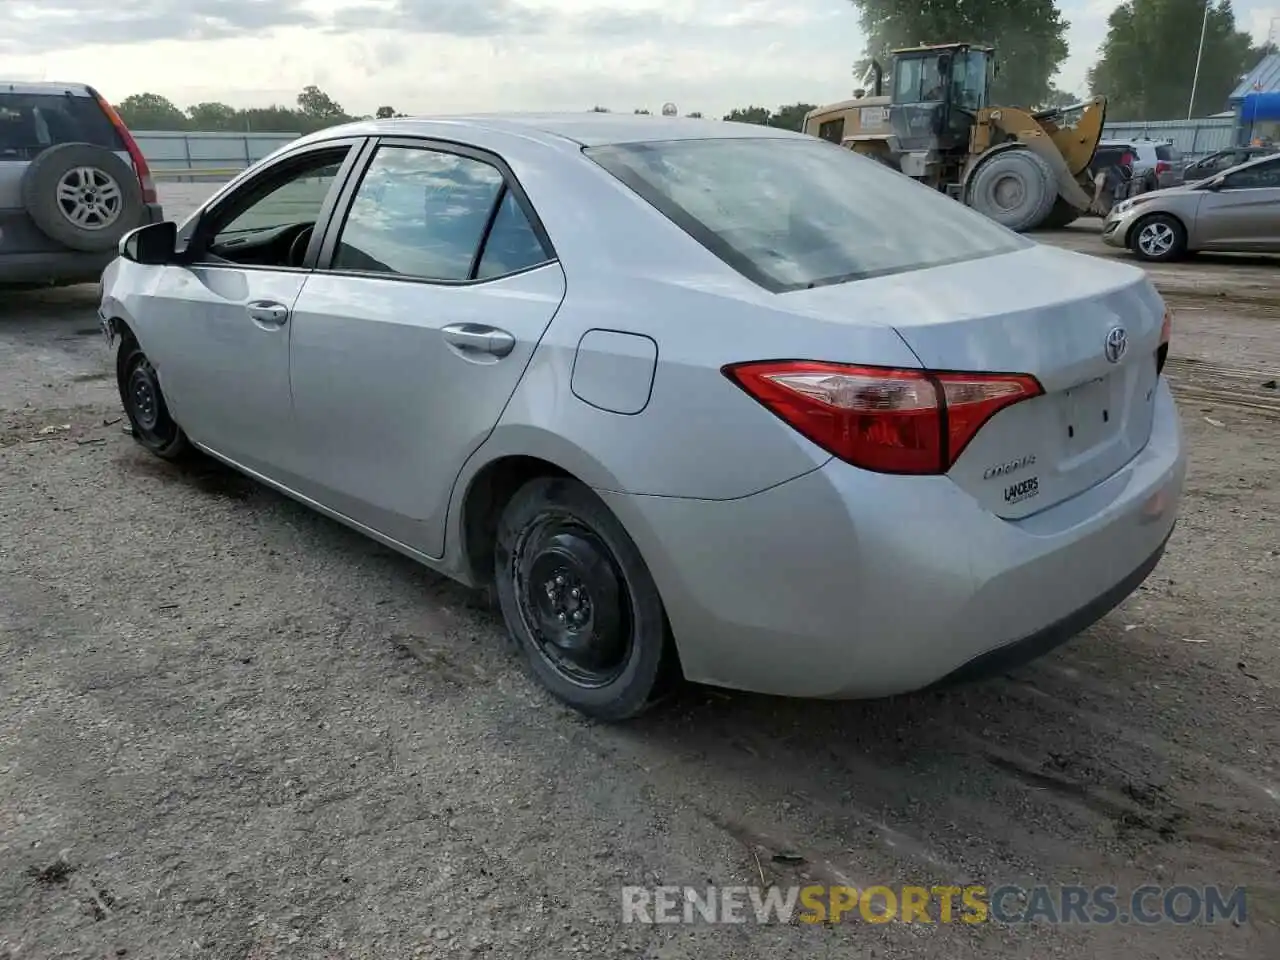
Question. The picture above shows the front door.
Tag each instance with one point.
(412, 335)
(1244, 214)
(226, 366)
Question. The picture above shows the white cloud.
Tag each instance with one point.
(426, 56)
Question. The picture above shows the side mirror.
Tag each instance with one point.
(153, 245)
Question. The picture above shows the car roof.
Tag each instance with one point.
(44, 86)
(589, 129)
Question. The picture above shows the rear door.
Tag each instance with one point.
(434, 286)
(1245, 213)
(34, 118)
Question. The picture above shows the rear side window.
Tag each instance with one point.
(790, 214)
(31, 123)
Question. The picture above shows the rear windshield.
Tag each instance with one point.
(1167, 153)
(795, 213)
(30, 123)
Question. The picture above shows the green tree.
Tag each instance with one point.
(696, 115)
(791, 117)
(150, 111)
(642, 112)
(317, 105)
(386, 113)
(752, 114)
(1030, 37)
(213, 117)
(598, 109)
(1149, 58)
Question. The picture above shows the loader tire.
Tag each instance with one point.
(1015, 188)
(1063, 214)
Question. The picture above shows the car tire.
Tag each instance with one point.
(579, 601)
(1158, 238)
(82, 196)
(1015, 188)
(145, 406)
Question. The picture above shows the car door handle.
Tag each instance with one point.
(478, 338)
(268, 313)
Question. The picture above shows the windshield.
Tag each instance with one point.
(31, 123)
(795, 213)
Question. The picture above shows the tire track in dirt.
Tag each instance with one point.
(1237, 386)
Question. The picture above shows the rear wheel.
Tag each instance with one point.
(144, 404)
(579, 601)
(1015, 188)
(1158, 238)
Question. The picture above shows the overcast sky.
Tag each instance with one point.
(423, 56)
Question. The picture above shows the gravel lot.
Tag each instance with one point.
(230, 728)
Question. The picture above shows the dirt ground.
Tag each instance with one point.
(230, 728)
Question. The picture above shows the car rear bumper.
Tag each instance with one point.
(45, 262)
(846, 584)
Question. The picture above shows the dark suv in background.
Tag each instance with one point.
(72, 183)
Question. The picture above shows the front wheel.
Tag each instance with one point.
(144, 403)
(1158, 238)
(579, 601)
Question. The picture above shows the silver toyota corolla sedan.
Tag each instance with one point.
(694, 398)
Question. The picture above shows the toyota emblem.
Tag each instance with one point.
(1116, 344)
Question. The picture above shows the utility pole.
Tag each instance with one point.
(1195, 78)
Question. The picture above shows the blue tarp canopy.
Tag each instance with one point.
(1260, 107)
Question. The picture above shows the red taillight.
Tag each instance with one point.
(1162, 352)
(881, 418)
(1162, 167)
(135, 154)
(1126, 160)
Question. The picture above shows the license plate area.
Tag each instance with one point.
(1090, 415)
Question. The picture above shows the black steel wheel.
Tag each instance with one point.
(579, 601)
(144, 403)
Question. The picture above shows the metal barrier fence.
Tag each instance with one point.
(195, 157)
(1193, 138)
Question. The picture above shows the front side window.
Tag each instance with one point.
(419, 213)
(269, 221)
(1259, 176)
(790, 214)
(969, 81)
(298, 199)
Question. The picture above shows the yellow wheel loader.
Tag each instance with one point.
(1022, 169)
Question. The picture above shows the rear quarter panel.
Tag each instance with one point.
(629, 269)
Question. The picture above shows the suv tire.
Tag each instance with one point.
(82, 196)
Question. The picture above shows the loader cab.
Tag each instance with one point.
(937, 93)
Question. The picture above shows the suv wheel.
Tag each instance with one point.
(82, 196)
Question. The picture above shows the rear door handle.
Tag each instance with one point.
(267, 313)
(479, 338)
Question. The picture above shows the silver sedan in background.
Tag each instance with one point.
(694, 397)
(1235, 211)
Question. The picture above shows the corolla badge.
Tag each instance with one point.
(1116, 344)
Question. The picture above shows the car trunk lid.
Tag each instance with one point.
(1086, 329)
